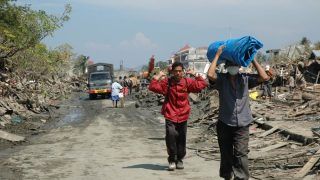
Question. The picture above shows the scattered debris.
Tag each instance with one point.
(10, 137)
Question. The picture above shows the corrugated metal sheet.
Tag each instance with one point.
(316, 54)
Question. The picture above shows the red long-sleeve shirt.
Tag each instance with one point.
(177, 108)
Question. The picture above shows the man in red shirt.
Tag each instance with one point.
(176, 108)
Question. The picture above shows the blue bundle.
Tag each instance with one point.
(239, 51)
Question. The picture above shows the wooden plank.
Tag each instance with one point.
(10, 137)
(275, 146)
(4, 105)
(308, 166)
(270, 131)
(194, 97)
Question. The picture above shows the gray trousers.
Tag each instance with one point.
(176, 134)
(233, 143)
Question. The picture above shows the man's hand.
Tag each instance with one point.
(191, 72)
(220, 50)
(262, 73)
(212, 75)
(158, 76)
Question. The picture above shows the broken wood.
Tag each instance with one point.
(10, 137)
(275, 146)
(308, 166)
(270, 131)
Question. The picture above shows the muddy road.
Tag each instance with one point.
(92, 140)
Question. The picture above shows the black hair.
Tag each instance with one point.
(120, 77)
(176, 64)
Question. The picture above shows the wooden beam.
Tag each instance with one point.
(270, 131)
(308, 166)
(10, 137)
(275, 146)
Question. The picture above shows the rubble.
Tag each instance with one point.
(284, 137)
(22, 100)
(10, 137)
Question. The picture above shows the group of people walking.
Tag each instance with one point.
(234, 112)
(120, 89)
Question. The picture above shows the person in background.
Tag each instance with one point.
(121, 81)
(130, 85)
(116, 88)
(125, 86)
(234, 116)
(291, 83)
(267, 85)
(176, 108)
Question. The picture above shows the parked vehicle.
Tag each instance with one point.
(100, 79)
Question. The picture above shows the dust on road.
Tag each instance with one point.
(106, 143)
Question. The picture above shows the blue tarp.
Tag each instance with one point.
(240, 51)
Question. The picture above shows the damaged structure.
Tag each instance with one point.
(284, 137)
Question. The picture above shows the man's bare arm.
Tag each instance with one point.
(212, 75)
(261, 72)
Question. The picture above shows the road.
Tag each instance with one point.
(105, 143)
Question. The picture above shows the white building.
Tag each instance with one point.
(192, 58)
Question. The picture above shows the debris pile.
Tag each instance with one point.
(146, 99)
(283, 137)
(24, 101)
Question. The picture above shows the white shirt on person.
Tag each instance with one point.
(116, 87)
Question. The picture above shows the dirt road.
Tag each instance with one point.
(95, 141)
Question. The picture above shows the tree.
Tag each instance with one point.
(305, 41)
(42, 61)
(162, 65)
(144, 68)
(80, 64)
(22, 28)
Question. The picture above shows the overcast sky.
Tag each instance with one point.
(133, 30)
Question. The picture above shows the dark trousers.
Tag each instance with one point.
(176, 134)
(267, 90)
(233, 143)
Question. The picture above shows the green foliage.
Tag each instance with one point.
(305, 41)
(80, 64)
(42, 61)
(145, 68)
(162, 65)
(22, 28)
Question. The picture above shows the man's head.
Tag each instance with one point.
(177, 70)
(232, 68)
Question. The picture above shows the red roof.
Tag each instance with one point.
(186, 47)
(90, 62)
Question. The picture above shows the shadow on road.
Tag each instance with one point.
(149, 166)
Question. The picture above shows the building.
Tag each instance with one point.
(292, 52)
(315, 55)
(192, 58)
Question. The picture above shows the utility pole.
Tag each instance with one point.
(121, 65)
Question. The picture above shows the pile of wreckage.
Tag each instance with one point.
(25, 104)
(285, 134)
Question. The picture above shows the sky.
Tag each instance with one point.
(132, 30)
